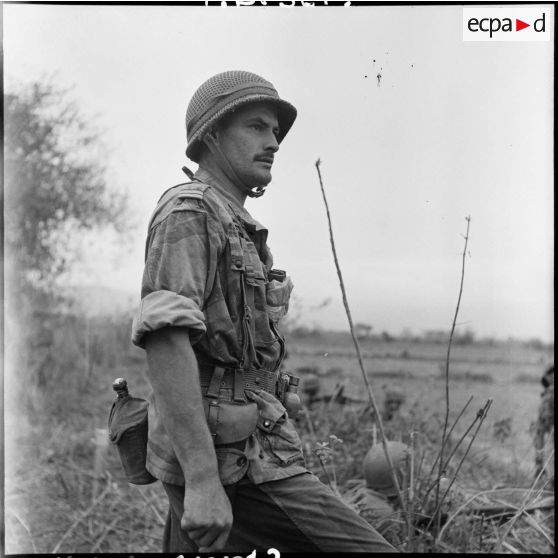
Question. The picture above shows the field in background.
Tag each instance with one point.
(65, 489)
(508, 373)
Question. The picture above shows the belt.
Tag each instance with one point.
(236, 379)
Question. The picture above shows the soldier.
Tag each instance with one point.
(544, 426)
(392, 403)
(220, 435)
(381, 502)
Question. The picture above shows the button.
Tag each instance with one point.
(257, 381)
(267, 423)
(261, 455)
(241, 461)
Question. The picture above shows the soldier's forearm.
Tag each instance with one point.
(173, 373)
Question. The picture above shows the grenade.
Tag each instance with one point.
(292, 400)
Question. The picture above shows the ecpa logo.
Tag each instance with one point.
(507, 24)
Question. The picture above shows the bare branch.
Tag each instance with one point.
(357, 346)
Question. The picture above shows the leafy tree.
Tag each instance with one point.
(55, 183)
(55, 189)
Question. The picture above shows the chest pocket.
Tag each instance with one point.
(252, 281)
(254, 271)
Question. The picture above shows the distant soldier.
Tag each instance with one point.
(310, 387)
(392, 403)
(544, 426)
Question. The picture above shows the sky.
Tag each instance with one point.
(451, 129)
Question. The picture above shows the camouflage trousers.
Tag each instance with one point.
(297, 514)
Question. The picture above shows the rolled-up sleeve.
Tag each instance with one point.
(164, 308)
(179, 272)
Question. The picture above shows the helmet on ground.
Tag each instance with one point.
(376, 468)
(224, 93)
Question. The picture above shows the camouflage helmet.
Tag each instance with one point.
(225, 92)
(376, 468)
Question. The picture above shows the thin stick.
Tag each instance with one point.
(330, 482)
(150, 504)
(411, 497)
(27, 530)
(451, 431)
(446, 420)
(357, 346)
(106, 531)
(538, 528)
(524, 502)
(82, 516)
(478, 417)
(481, 415)
(310, 424)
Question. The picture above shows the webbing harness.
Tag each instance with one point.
(243, 375)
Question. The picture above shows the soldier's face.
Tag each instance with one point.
(248, 138)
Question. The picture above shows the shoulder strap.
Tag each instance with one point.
(186, 190)
(192, 190)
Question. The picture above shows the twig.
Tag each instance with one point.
(433, 484)
(481, 415)
(150, 504)
(460, 509)
(507, 509)
(310, 424)
(106, 531)
(510, 548)
(450, 433)
(411, 498)
(446, 420)
(538, 528)
(524, 502)
(331, 482)
(27, 530)
(82, 516)
(357, 346)
(436, 481)
(135, 532)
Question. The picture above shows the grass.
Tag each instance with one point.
(66, 491)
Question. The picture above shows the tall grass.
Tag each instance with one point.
(66, 491)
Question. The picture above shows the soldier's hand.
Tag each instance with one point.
(207, 517)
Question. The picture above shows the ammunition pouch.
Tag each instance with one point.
(230, 416)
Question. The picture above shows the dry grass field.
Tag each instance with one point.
(66, 492)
